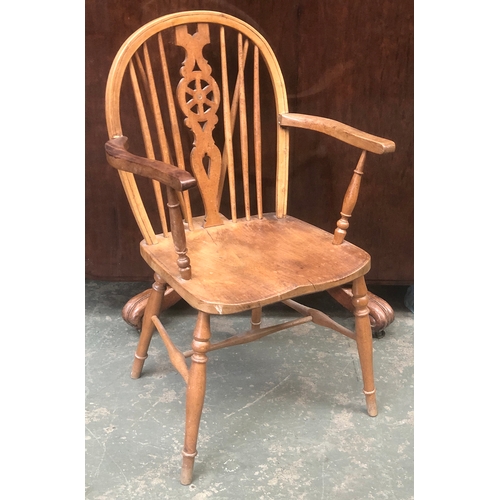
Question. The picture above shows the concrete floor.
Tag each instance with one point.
(284, 416)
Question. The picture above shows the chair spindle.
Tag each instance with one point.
(257, 131)
(228, 133)
(243, 129)
(234, 112)
(155, 108)
(148, 144)
(174, 123)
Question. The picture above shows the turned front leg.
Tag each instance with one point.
(153, 308)
(195, 394)
(364, 342)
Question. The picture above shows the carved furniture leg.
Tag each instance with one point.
(195, 394)
(364, 342)
(381, 313)
(133, 311)
(152, 309)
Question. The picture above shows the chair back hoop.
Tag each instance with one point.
(195, 86)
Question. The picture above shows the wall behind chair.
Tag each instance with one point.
(350, 60)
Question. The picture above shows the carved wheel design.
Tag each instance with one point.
(199, 98)
(202, 97)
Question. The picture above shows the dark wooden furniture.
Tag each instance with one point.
(202, 138)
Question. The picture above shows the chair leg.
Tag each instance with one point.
(256, 318)
(381, 313)
(364, 342)
(152, 309)
(195, 394)
(133, 310)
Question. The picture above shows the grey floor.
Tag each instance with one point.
(284, 416)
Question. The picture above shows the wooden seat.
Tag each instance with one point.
(198, 123)
(260, 262)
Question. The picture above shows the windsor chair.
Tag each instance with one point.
(202, 144)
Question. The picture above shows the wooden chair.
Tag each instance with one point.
(203, 142)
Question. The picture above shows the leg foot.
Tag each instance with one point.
(371, 403)
(137, 366)
(187, 468)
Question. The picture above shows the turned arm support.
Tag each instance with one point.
(175, 179)
(354, 137)
(119, 158)
(345, 133)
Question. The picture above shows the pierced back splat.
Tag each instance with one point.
(199, 98)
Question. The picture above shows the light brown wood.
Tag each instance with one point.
(152, 309)
(340, 131)
(256, 318)
(364, 342)
(133, 310)
(178, 235)
(233, 114)
(381, 313)
(195, 394)
(257, 132)
(320, 318)
(226, 263)
(176, 357)
(172, 111)
(123, 61)
(149, 83)
(350, 199)
(155, 107)
(228, 127)
(134, 198)
(270, 248)
(243, 129)
(252, 335)
(200, 109)
(146, 134)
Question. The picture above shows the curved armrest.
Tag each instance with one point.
(119, 158)
(338, 130)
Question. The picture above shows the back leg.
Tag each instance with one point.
(364, 342)
(133, 310)
(381, 313)
(153, 308)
